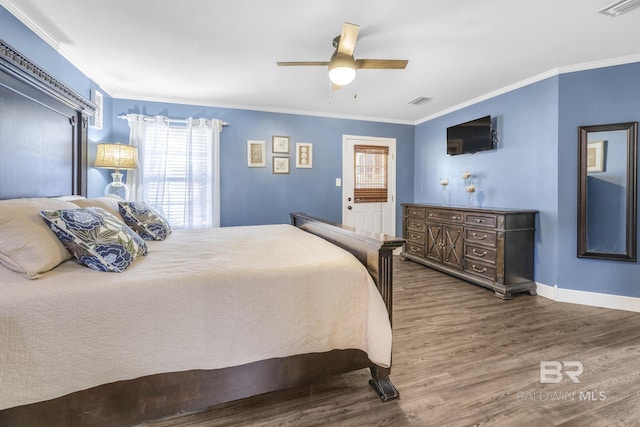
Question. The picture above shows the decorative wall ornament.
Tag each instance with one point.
(280, 144)
(256, 154)
(97, 119)
(304, 155)
(280, 165)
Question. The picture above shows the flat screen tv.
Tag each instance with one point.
(470, 137)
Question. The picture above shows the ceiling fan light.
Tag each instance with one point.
(342, 75)
(342, 69)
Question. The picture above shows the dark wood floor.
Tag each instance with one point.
(463, 357)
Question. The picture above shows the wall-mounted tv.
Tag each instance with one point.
(470, 137)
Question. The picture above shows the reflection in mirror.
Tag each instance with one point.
(607, 194)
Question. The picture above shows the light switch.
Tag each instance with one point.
(338, 182)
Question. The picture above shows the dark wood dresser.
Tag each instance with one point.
(488, 247)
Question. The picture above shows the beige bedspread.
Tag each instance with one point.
(202, 299)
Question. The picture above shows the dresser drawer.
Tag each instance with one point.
(479, 236)
(444, 215)
(415, 212)
(481, 220)
(480, 268)
(415, 225)
(415, 237)
(414, 249)
(480, 253)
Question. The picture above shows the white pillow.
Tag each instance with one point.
(27, 245)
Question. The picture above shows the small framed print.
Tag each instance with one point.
(280, 164)
(280, 144)
(304, 155)
(256, 155)
(595, 156)
(97, 119)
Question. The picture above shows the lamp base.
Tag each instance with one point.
(117, 187)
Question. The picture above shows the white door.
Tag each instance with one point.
(369, 183)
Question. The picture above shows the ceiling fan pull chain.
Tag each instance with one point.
(355, 88)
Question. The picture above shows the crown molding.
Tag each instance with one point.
(40, 32)
(585, 66)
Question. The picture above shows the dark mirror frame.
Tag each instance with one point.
(631, 206)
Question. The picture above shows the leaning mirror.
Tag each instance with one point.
(607, 200)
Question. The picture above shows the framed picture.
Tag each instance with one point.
(280, 164)
(304, 155)
(595, 156)
(280, 144)
(256, 155)
(97, 119)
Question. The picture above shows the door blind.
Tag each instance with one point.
(370, 173)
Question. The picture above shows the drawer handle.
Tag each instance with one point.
(431, 215)
(413, 236)
(416, 224)
(477, 270)
(480, 221)
(414, 249)
(479, 237)
(478, 253)
(455, 217)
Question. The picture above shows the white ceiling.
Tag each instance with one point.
(224, 53)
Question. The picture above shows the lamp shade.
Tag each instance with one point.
(116, 156)
(342, 69)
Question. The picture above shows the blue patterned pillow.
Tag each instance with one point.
(144, 220)
(96, 238)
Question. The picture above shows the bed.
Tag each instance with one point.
(87, 348)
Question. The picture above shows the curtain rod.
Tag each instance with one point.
(166, 119)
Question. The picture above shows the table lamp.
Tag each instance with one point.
(117, 156)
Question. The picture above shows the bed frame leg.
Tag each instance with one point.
(382, 385)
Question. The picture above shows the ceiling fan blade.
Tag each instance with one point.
(303, 63)
(348, 38)
(382, 64)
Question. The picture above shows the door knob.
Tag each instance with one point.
(348, 199)
(349, 207)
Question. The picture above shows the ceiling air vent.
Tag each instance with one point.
(423, 99)
(619, 7)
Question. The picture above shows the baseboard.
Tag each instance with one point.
(594, 299)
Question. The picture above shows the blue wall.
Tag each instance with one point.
(249, 195)
(522, 172)
(536, 164)
(593, 97)
(21, 38)
(256, 195)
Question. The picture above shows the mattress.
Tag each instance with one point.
(202, 299)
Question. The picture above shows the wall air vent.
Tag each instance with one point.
(423, 99)
(619, 7)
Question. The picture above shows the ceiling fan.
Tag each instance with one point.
(342, 65)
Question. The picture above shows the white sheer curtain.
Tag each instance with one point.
(179, 172)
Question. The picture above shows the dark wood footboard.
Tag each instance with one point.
(375, 251)
(124, 403)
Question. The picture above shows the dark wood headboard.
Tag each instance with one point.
(43, 131)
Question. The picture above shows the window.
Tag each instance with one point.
(370, 173)
(177, 174)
